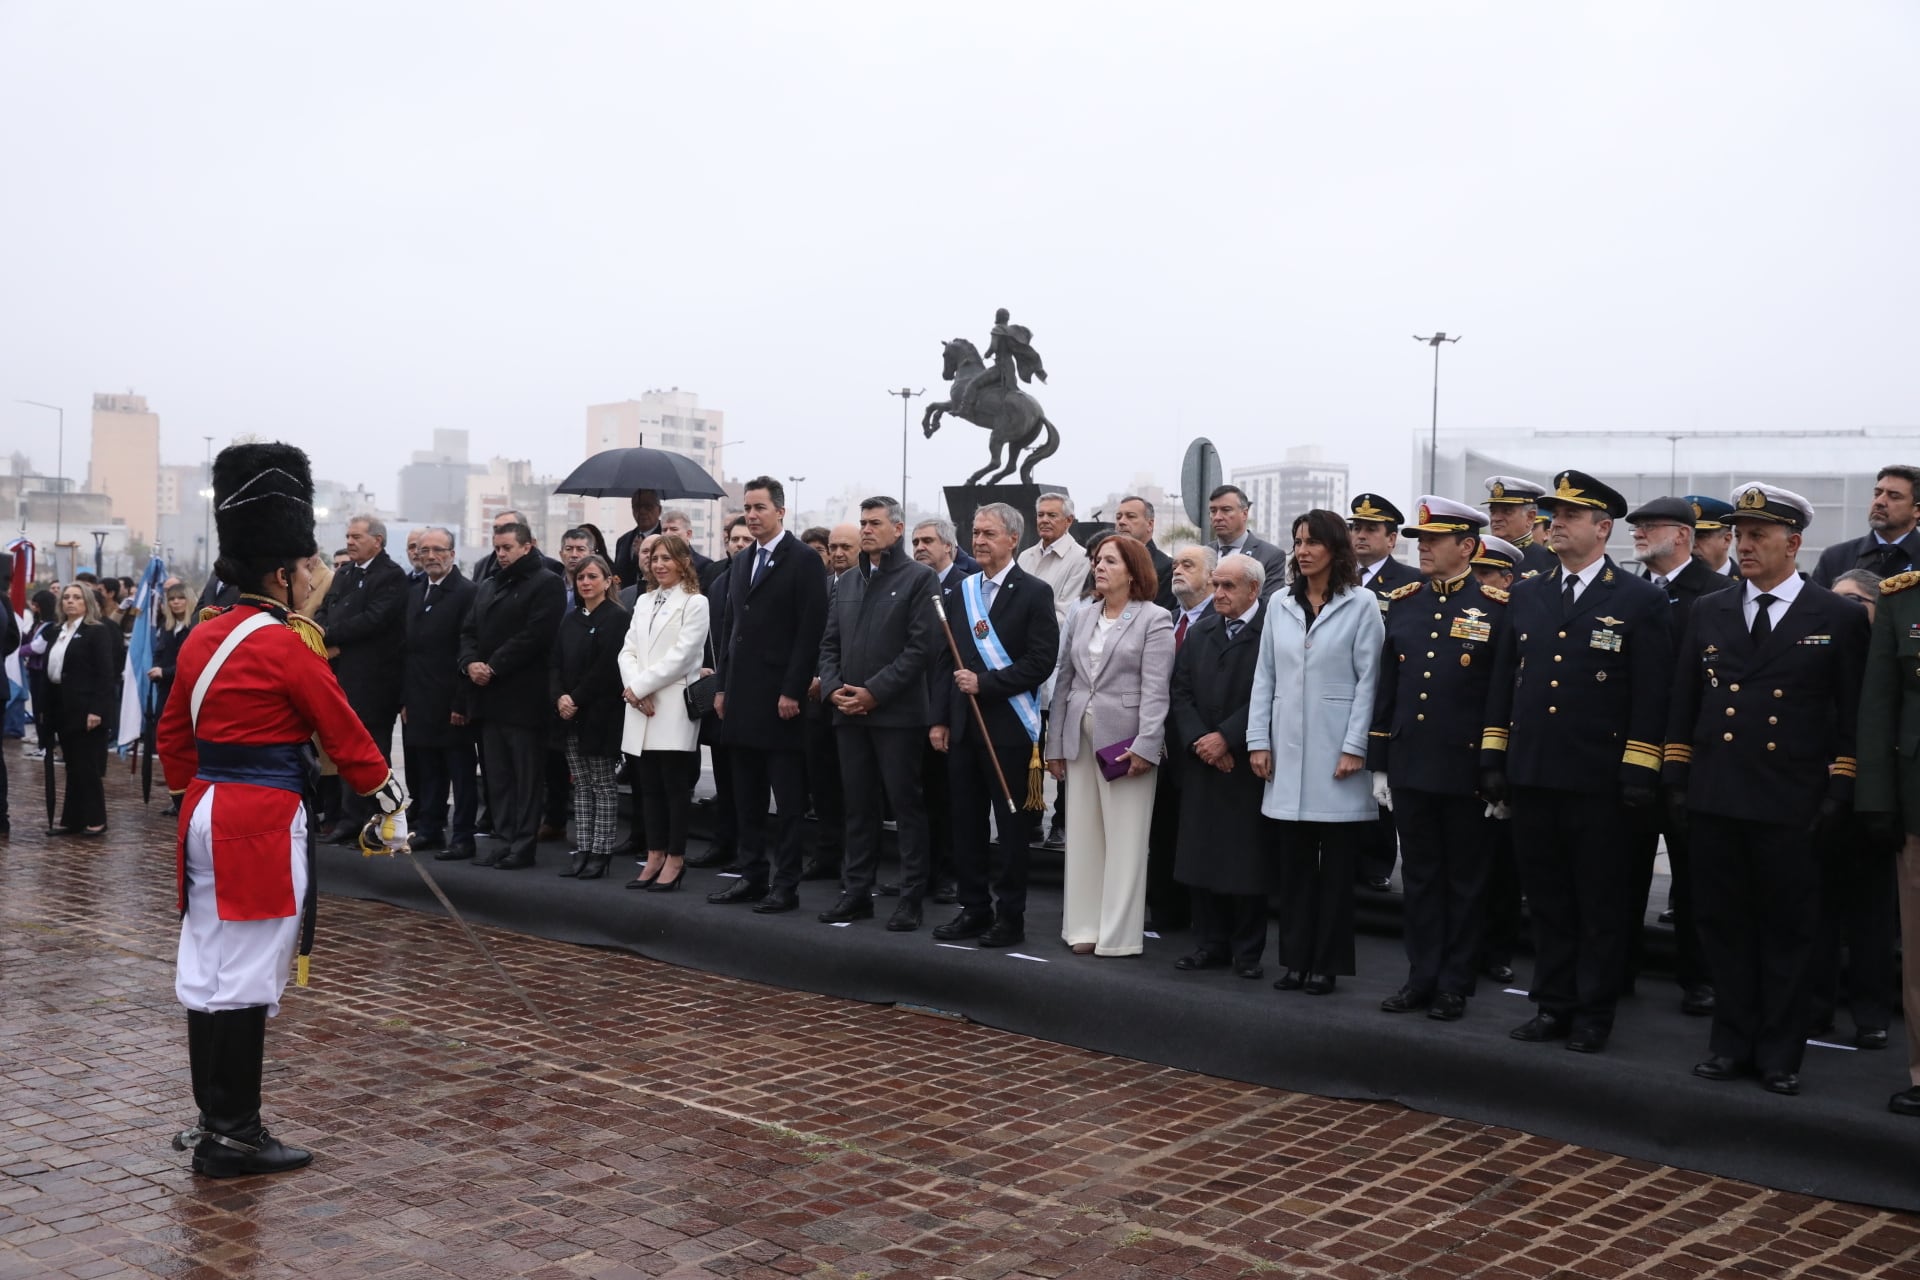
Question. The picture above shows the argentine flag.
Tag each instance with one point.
(135, 688)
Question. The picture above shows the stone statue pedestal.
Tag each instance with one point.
(964, 500)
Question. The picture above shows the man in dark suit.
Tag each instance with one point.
(1374, 525)
(873, 678)
(435, 729)
(1760, 759)
(1579, 738)
(646, 521)
(1893, 543)
(488, 565)
(1221, 856)
(933, 546)
(1170, 907)
(776, 614)
(725, 817)
(1663, 544)
(1227, 512)
(1513, 512)
(1022, 635)
(1134, 517)
(365, 616)
(506, 648)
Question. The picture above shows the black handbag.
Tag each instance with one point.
(699, 695)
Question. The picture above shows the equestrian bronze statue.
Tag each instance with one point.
(991, 396)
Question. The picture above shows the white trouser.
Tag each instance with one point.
(233, 964)
(1105, 888)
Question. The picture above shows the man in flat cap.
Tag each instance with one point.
(1513, 505)
(1429, 712)
(1663, 544)
(1891, 544)
(1374, 524)
(1760, 761)
(1712, 535)
(1574, 725)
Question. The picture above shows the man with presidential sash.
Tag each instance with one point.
(1006, 652)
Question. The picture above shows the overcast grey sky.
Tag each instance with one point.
(350, 223)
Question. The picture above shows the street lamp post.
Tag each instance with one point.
(59, 463)
(1433, 434)
(796, 481)
(906, 395)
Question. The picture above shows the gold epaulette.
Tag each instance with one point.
(311, 633)
(1401, 593)
(213, 611)
(1494, 593)
(1899, 582)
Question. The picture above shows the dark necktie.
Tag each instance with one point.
(1762, 619)
(760, 565)
(1660, 581)
(1566, 595)
(426, 597)
(1233, 628)
(1180, 631)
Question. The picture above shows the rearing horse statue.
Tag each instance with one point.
(1013, 417)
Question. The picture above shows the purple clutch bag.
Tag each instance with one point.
(1113, 760)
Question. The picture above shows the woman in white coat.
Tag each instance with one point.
(660, 658)
(1307, 738)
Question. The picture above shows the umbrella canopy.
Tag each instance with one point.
(616, 473)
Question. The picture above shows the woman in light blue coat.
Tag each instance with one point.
(1307, 738)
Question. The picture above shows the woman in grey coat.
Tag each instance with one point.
(1307, 738)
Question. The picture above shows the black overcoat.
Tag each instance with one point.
(1223, 844)
(512, 628)
(365, 618)
(586, 665)
(434, 684)
(772, 628)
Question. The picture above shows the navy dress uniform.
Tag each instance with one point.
(1574, 724)
(1496, 564)
(1760, 752)
(1378, 849)
(1511, 491)
(1709, 518)
(1429, 713)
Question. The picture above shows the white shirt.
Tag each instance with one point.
(1193, 615)
(1238, 545)
(1783, 595)
(1372, 571)
(57, 656)
(1062, 565)
(1587, 574)
(1097, 642)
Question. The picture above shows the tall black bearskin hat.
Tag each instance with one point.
(262, 508)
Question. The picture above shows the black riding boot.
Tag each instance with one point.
(231, 1141)
(200, 1059)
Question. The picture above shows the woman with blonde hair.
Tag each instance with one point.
(660, 658)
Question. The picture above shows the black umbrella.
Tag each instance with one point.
(616, 473)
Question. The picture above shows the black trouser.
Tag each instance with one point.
(1573, 864)
(1316, 861)
(824, 788)
(378, 719)
(84, 752)
(516, 769)
(437, 771)
(937, 789)
(726, 822)
(1444, 856)
(991, 875)
(1500, 913)
(1168, 906)
(665, 786)
(1378, 848)
(881, 766)
(1859, 915)
(1758, 886)
(559, 798)
(1231, 926)
(769, 841)
(1690, 967)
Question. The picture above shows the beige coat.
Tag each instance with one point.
(660, 657)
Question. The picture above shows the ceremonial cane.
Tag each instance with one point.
(953, 646)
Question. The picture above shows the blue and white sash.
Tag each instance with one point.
(993, 653)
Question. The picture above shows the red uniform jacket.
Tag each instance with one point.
(273, 689)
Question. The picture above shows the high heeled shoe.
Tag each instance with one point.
(641, 880)
(667, 886)
(576, 861)
(595, 866)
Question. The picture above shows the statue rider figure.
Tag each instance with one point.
(1011, 355)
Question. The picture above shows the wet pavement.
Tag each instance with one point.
(679, 1124)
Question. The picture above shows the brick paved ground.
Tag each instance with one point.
(685, 1125)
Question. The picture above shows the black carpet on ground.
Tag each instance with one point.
(1638, 1098)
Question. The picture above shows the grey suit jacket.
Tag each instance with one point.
(1128, 696)
(1271, 558)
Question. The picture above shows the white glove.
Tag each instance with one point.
(386, 833)
(1382, 793)
(392, 796)
(1499, 812)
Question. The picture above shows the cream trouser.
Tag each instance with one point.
(1105, 891)
(233, 964)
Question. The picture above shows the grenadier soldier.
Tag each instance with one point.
(251, 691)
(1429, 714)
(1374, 524)
(1574, 725)
(1513, 512)
(1888, 797)
(1759, 759)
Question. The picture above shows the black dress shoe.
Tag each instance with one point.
(776, 901)
(1200, 960)
(1007, 931)
(852, 906)
(738, 891)
(1871, 1038)
(425, 844)
(1289, 980)
(946, 892)
(1587, 1040)
(1251, 972)
(1781, 1082)
(1379, 884)
(1720, 1067)
(1666, 917)
(1318, 984)
(970, 923)
(454, 853)
(1405, 1000)
(1448, 1006)
(1697, 1001)
(575, 861)
(905, 917)
(1056, 837)
(1541, 1026)
(818, 869)
(1501, 973)
(668, 886)
(514, 862)
(1906, 1102)
(641, 880)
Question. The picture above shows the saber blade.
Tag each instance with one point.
(433, 886)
